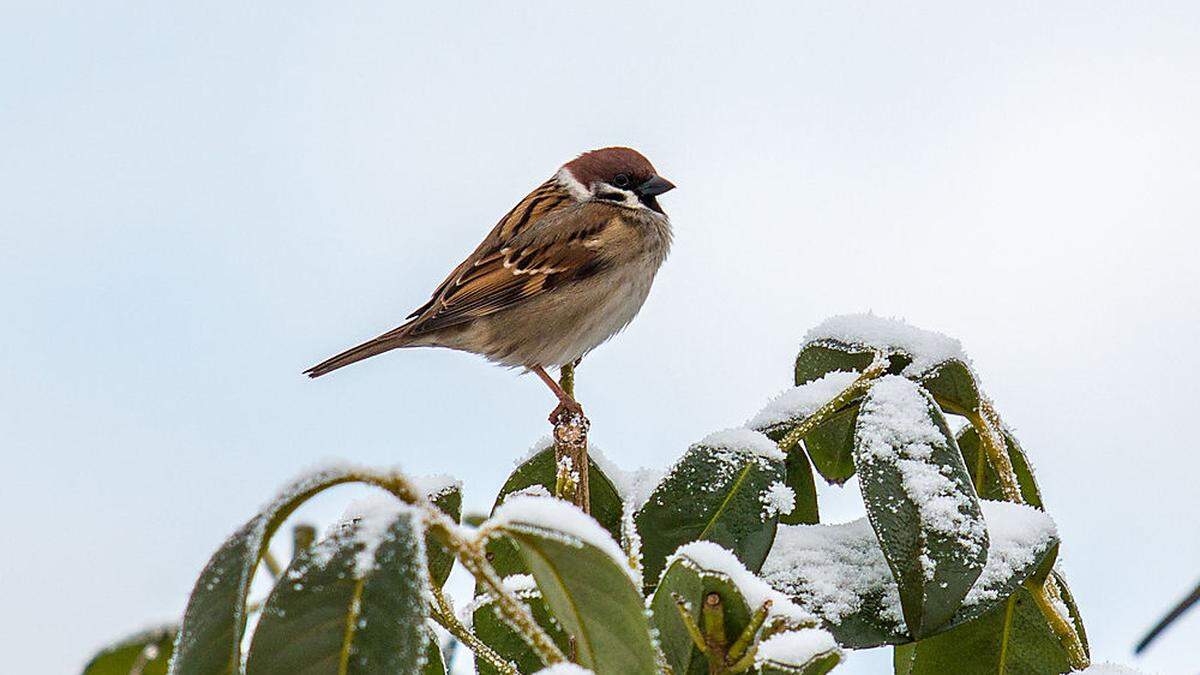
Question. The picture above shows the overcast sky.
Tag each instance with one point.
(198, 202)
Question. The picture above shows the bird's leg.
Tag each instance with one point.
(566, 403)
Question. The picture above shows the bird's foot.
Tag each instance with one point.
(568, 410)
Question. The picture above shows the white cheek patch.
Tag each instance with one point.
(577, 190)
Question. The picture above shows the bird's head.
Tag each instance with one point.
(619, 176)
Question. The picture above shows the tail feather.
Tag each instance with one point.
(384, 343)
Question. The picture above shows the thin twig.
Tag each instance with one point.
(873, 372)
(443, 613)
(987, 424)
(472, 555)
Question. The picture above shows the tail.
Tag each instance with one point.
(390, 340)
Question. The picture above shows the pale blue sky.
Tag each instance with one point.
(198, 202)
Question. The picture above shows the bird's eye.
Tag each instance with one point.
(621, 180)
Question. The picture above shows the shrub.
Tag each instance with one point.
(717, 566)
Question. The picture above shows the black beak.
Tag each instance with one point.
(654, 187)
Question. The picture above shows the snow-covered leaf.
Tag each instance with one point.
(831, 444)
(354, 603)
(953, 385)
(816, 360)
(720, 491)
(446, 494)
(585, 581)
(211, 634)
(536, 476)
(147, 652)
(1011, 638)
(919, 500)
(696, 570)
(913, 352)
(501, 637)
(839, 573)
(983, 476)
(808, 651)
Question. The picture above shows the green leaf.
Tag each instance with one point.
(793, 653)
(688, 580)
(800, 479)
(149, 650)
(211, 634)
(1011, 639)
(953, 385)
(831, 445)
(839, 573)
(500, 636)
(434, 663)
(355, 603)
(539, 470)
(983, 476)
(448, 498)
(585, 582)
(920, 501)
(715, 493)
(818, 359)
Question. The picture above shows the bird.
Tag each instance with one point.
(562, 272)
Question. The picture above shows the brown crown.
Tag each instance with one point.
(605, 163)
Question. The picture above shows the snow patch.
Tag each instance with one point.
(797, 403)
(743, 439)
(927, 348)
(778, 500)
(549, 517)
(436, 485)
(707, 557)
(795, 648)
(832, 570)
(564, 669)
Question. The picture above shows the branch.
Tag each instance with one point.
(873, 372)
(443, 613)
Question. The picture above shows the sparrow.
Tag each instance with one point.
(562, 272)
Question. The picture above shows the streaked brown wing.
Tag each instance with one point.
(527, 254)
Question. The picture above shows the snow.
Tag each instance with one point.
(1108, 669)
(371, 517)
(797, 403)
(927, 348)
(633, 486)
(894, 427)
(1018, 533)
(549, 517)
(831, 570)
(778, 499)
(521, 585)
(564, 669)
(795, 648)
(436, 485)
(707, 557)
(743, 439)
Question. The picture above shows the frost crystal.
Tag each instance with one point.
(778, 499)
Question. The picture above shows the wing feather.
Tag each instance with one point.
(544, 241)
